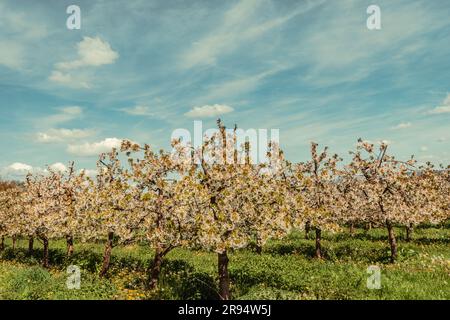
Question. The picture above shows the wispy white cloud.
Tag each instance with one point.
(61, 135)
(440, 110)
(402, 125)
(22, 29)
(339, 79)
(18, 23)
(64, 114)
(240, 24)
(94, 149)
(444, 108)
(69, 80)
(209, 111)
(12, 54)
(92, 52)
(340, 49)
(138, 110)
(241, 85)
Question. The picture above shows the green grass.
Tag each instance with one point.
(285, 270)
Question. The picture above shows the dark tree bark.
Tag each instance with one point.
(307, 229)
(155, 269)
(107, 255)
(224, 277)
(318, 243)
(409, 232)
(2, 244)
(45, 262)
(69, 241)
(352, 229)
(392, 241)
(30, 245)
(14, 242)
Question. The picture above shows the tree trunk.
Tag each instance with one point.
(392, 241)
(2, 244)
(352, 229)
(409, 232)
(30, 245)
(318, 244)
(224, 277)
(155, 269)
(107, 255)
(14, 242)
(369, 226)
(307, 229)
(69, 241)
(45, 263)
(258, 245)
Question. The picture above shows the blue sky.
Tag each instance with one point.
(141, 69)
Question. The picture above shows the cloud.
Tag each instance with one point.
(59, 167)
(20, 24)
(138, 110)
(69, 80)
(64, 114)
(60, 135)
(11, 54)
(88, 172)
(20, 167)
(20, 31)
(423, 148)
(94, 149)
(241, 85)
(209, 111)
(241, 24)
(402, 125)
(92, 52)
(223, 38)
(18, 170)
(444, 108)
(347, 52)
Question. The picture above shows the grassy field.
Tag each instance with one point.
(285, 270)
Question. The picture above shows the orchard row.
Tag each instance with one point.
(168, 200)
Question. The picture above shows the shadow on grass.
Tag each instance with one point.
(21, 255)
(178, 279)
(352, 251)
(86, 259)
(428, 241)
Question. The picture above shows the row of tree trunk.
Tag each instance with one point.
(223, 260)
(45, 243)
(391, 237)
